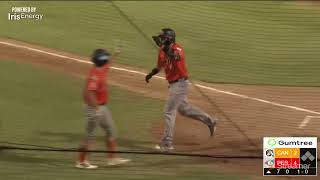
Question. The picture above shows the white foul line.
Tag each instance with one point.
(141, 73)
(306, 120)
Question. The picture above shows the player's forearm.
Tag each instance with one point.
(171, 53)
(116, 53)
(154, 71)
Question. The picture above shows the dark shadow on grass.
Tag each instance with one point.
(137, 144)
(173, 162)
(74, 138)
(33, 158)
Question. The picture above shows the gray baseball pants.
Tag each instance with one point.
(178, 101)
(104, 120)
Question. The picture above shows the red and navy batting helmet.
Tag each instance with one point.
(100, 57)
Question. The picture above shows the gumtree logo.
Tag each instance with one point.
(272, 142)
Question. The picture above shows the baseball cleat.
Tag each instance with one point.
(85, 165)
(164, 149)
(117, 161)
(212, 127)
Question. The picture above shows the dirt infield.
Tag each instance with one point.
(257, 110)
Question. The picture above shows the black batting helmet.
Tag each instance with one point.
(100, 57)
(167, 36)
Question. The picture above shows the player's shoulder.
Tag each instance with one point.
(92, 74)
(177, 47)
(92, 71)
(106, 67)
(95, 73)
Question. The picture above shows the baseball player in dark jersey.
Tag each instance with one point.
(171, 58)
(95, 96)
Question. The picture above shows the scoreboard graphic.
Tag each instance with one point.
(290, 156)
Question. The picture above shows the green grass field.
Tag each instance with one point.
(265, 42)
(45, 108)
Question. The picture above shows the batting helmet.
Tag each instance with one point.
(100, 57)
(167, 36)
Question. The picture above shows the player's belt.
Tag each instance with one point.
(180, 79)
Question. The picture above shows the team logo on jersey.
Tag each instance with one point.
(270, 162)
(270, 153)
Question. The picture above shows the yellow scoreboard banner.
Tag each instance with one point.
(283, 153)
(287, 152)
(295, 152)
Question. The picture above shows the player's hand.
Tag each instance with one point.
(99, 112)
(166, 49)
(117, 48)
(152, 73)
(148, 77)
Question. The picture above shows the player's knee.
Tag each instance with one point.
(183, 109)
(108, 129)
(90, 134)
(90, 130)
(110, 133)
(168, 114)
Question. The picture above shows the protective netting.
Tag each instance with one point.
(242, 50)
